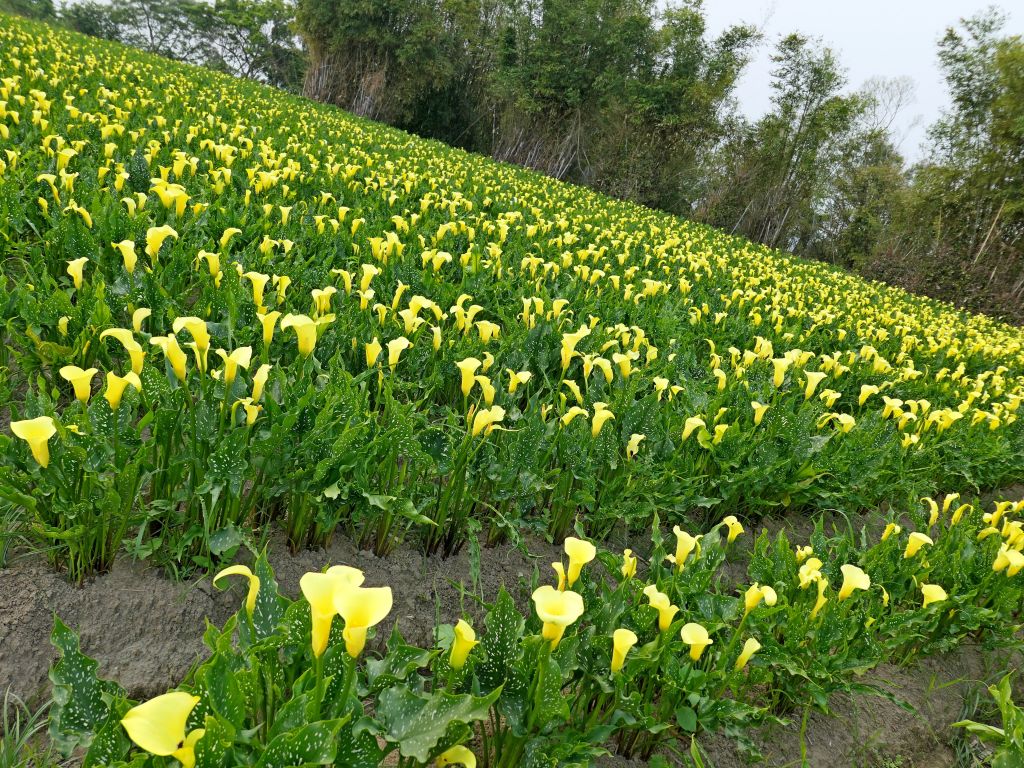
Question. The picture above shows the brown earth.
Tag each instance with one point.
(145, 630)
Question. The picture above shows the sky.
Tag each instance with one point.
(886, 38)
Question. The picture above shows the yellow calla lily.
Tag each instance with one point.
(685, 546)
(259, 381)
(155, 237)
(240, 358)
(305, 332)
(914, 544)
(361, 608)
(559, 570)
(127, 340)
(464, 642)
(622, 641)
(268, 321)
(734, 526)
(116, 386)
(890, 529)
(755, 594)
(138, 318)
(692, 423)
(932, 593)
(633, 446)
(127, 250)
(75, 269)
(395, 349)
(853, 578)
(259, 283)
(1009, 559)
(254, 584)
(467, 369)
(80, 380)
(750, 647)
(629, 563)
(173, 353)
(200, 336)
(661, 603)
(820, 602)
(517, 378)
(557, 610)
(320, 591)
(158, 726)
(580, 553)
(601, 416)
(697, 637)
(37, 433)
(458, 755)
(485, 420)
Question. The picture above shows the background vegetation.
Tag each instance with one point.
(637, 101)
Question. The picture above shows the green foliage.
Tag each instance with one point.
(1006, 742)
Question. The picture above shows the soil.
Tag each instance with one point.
(145, 631)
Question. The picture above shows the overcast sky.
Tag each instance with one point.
(889, 38)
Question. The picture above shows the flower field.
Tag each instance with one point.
(229, 312)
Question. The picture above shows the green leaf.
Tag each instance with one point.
(81, 701)
(500, 644)
(417, 722)
(314, 744)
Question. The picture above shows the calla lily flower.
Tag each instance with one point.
(240, 358)
(465, 641)
(734, 526)
(361, 608)
(890, 529)
(158, 727)
(305, 332)
(468, 368)
(173, 353)
(485, 420)
(268, 321)
(127, 250)
(685, 545)
(750, 647)
(395, 349)
(155, 237)
(131, 346)
(320, 591)
(755, 594)
(557, 610)
(116, 386)
(517, 378)
(633, 446)
(580, 553)
(458, 755)
(697, 637)
(259, 381)
(486, 388)
(601, 415)
(559, 570)
(1009, 559)
(200, 336)
(820, 602)
(622, 641)
(932, 593)
(661, 603)
(259, 284)
(37, 433)
(571, 414)
(810, 572)
(853, 578)
(138, 317)
(629, 564)
(914, 544)
(80, 380)
(254, 584)
(692, 423)
(75, 270)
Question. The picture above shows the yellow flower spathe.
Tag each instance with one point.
(557, 610)
(320, 590)
(661, 603)
(629, 564)
(361, 608)
(81, 380)
(76, 269)
(697, 637)
(750, 647)
(853, 578)
(734, 526)
(254, 584)
(464, 642)
(622, 641)
(158, 726)
(932, 593)
(458, 755)
(914, 544)
(116, 386)
(305, 332)
(127, 340)
(37, 433)
(580, 553)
